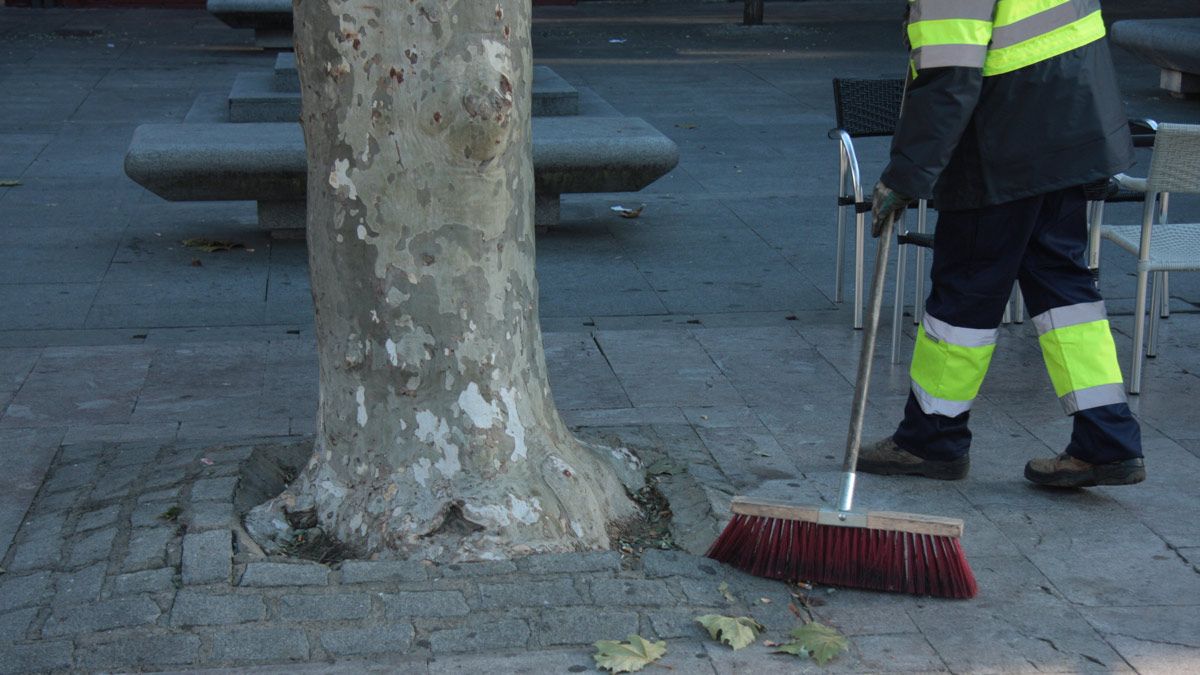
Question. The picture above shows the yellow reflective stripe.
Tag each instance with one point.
(948, 371)
(1012, 11)
(1081, 356)
(949, 32)
(1059, 41)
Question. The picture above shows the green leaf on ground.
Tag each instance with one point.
(724, 589)
(212, 245)
(817, 640)
(628, 657)
(735, 632)
(9, 183)
(172, 514)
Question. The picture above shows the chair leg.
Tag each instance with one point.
(1139, 333)
(1165, 308)
(1156, 302)
(840, 263)
(860, 243)
(919, 286)
(1095, 220)
(898, 305)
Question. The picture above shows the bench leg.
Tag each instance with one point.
(1181, 85)
(284, 220)
(545, 212)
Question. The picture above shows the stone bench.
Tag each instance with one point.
(275, 96)
(266, 163)
(1170, 44)
(270, 19)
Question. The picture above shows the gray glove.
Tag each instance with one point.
(886, 203)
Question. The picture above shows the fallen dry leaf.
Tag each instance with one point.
(627, 212)
(211, 245)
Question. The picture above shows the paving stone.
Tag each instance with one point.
(23, 590)
(14, 624)
(163, 495)
(424, 604)
(57, 502)
(80, 586)
(148, 548)
(571, 563)
(473, 569)
(284, 574)
(98, 518)
(656, 563)
(209, 515)
(260, 644)
(324, 607)
(71, 476)
(529, 594)
(480, 635)
(207, 557)
(364, 571)
(631, 592)
(1053, 639)
(214, 489)
(39, 657)
(113, 486)
(146, 581)
(138, 652)
(677, 623)
(387, 639)
(104, 615)
(134, 454)
(558, 661)
(197, 608)
(37, 553)
(584, 625)
(92, 547)
(76, 453)
(150, 514)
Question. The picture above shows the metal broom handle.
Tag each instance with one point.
(858, 408)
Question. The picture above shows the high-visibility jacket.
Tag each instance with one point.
(1007, 99)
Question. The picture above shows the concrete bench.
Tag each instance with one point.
(1170, 44)
(270, 19)
(266, 163)
(275, 96)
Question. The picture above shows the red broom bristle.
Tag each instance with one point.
(880, 560)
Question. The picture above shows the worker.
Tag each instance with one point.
(1011, 108)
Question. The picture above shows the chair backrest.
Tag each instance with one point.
(1175, 164)
(867, 107)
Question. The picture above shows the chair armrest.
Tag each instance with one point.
(1134, 184)
(1143, 129)
(847, 146)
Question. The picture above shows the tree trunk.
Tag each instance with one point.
(437, 436)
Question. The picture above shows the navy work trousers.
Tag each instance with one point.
(1038, 241)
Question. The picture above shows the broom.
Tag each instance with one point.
(875, 550)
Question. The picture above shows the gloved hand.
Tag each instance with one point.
(885, 203)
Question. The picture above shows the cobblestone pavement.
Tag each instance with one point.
(139, 392)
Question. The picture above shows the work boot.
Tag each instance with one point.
(1069, 472)
(886, 458)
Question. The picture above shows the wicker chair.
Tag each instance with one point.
(1162, 246)
(865, 108)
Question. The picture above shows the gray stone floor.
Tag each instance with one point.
(132, 381)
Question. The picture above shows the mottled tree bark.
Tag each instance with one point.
(437, 435)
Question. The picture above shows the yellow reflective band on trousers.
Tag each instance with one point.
(949, 32)
(1080, 356)
(949, 372)
(1059, 40)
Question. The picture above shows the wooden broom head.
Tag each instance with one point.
(914, 523)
